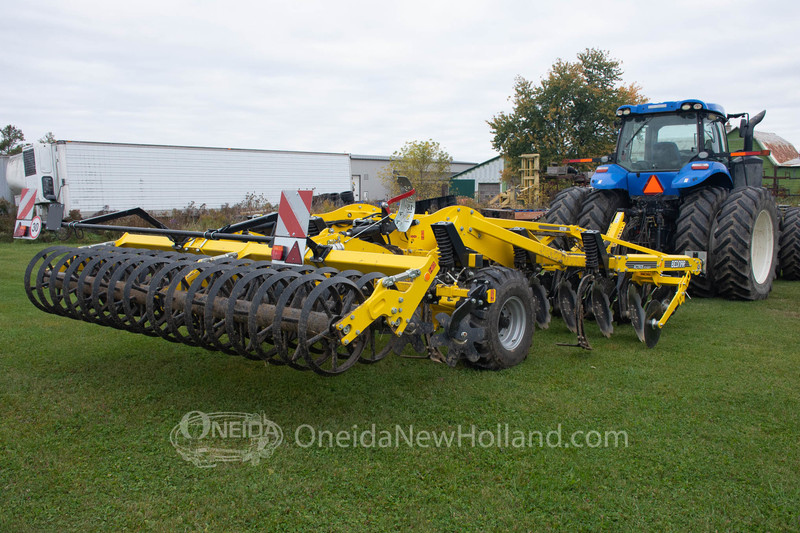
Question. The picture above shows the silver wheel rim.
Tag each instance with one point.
(513, 313)
(761, 246)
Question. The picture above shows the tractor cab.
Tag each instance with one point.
(668, 149)
(668, 141)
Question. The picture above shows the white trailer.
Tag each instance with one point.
(95, 176)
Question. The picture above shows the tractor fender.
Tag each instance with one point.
(610, 177)
(692, 175)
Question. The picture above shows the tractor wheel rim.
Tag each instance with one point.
(761, 247)
(515, 319)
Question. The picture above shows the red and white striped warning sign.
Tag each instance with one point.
(293, 214)
(294, 211)
(27, 200)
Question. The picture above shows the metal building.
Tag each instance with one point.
(366, 183)
(481, 181)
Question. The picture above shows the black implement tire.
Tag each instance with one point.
(744, 244)
(508, 322)
(693, 232)
(565, 209)
(789, 255)
(599, 208)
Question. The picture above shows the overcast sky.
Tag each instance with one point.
(365, 77)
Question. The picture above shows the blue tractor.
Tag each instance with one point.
(683, 191)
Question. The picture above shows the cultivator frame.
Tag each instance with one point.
(455, 285)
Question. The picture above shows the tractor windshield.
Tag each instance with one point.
(658, 142)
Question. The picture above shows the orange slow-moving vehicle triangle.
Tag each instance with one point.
(653, 186)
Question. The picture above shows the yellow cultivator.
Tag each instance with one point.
(358, 283)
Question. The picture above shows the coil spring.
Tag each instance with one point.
(447, 253)
(591, 251)
(520, 258)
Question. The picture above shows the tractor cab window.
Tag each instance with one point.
(714, 134)
(658, 142)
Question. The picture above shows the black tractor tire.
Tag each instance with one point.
(565, 209)
(508, 322)
(693, 232)
(566, 206)
(599, 208)
(789, 255)
(744, 245)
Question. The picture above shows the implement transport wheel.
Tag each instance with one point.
(744, 245)
(693, 231)
(790, 244)
(599, 208)
(508, 322)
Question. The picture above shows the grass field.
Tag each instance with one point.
(712, 418)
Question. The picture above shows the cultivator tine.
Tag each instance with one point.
(543, 315)
(652, 314)
(636, 311)
(568, 305)
(601, 309)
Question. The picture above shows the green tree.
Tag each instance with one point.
(424, 163)
(10, 137)
(49, 138)
(569, 114)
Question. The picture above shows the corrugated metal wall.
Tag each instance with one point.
(118, 176)
(485, 178)
(486, 172)
(5, 191)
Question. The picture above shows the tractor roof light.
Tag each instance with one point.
(626, 111)
(619, 112)
(698, 106)
(686, 107)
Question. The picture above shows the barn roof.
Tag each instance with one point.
(783, 153)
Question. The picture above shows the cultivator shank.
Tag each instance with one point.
(453, 285)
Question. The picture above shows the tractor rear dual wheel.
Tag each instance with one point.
(599, 208)
(565, 209)
(693, 232)
(789, 255)
(744, 245)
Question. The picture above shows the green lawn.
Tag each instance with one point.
(712, 416)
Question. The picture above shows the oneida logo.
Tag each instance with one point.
(206, 439)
